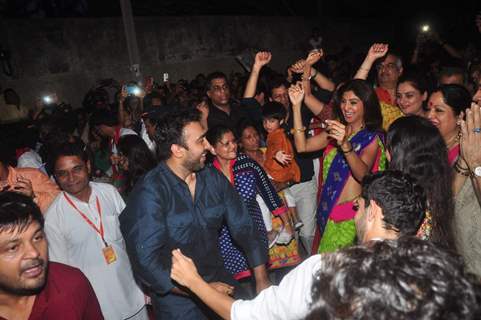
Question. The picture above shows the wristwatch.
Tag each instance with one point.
(477, 171)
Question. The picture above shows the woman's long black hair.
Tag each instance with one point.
(141, 159)
(418, 149)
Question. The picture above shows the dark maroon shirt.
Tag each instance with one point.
(67, 295)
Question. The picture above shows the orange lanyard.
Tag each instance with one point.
(100, 230)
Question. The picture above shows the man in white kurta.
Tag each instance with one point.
(73, 240)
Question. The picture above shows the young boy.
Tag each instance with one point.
(280, 163)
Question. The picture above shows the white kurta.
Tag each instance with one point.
(74, 242)
(290, 300)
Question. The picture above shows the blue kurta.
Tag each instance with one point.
(161, 216)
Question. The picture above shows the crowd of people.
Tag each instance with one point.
(311, 194)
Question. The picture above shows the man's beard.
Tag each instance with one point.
(194, 165)
(10, 288)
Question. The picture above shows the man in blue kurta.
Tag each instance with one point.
(181, 204)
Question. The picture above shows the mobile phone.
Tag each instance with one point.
(133, 90)
(166, 77)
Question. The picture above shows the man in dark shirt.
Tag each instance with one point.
(181, 204)
(31, 287)
(222, 109)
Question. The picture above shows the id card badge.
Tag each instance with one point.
(109, 254)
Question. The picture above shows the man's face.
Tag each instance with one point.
(452, 79)
(23, 260)
(196, 147)
(388, 71)
(156, 102)
(72, 174)
(360, 219)
(219, 92)
(281, 95)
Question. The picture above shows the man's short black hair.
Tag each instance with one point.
(408, 278)
(274, 110)
(402, 201)
(212, 76)
(277, 82)
(170, 129)
(17, 211)
(76, 149)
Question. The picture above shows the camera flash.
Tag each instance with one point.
(425, 28)
(136, 91)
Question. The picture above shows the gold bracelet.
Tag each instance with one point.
(296, 130)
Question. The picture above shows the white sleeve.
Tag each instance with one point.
(126, 132)
(289, 300)
(28, 160)
(117, 198)
(266, 213)
(57, 244)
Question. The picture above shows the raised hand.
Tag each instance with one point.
(23, 186)
(377, 50)
(298, 66)
(314, 56)
(296, 94)
(262, 58)
(338, 131)
(470, 141)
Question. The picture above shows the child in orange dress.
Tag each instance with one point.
(280, 164)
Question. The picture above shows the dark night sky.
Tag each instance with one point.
(335, 8)
(453, 19)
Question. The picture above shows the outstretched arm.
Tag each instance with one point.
(185, 273)
(309, 73)
(377, 50)
(262, 58)
(303, 144)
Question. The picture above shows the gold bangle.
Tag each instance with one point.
(296, 130)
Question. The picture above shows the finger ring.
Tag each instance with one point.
(477, 130)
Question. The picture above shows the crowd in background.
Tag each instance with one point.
(296, 146)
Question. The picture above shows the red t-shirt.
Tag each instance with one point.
(67, 295)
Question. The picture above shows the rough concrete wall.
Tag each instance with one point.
(67, 56)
